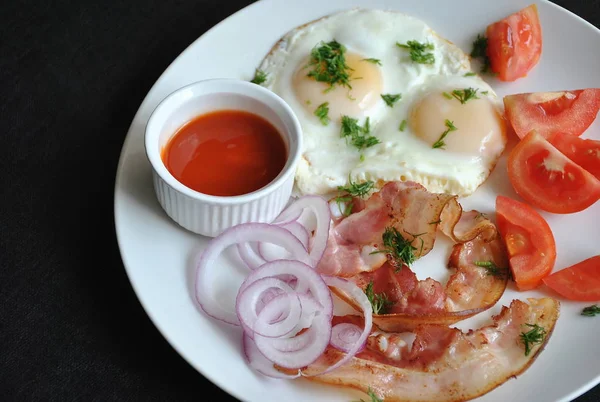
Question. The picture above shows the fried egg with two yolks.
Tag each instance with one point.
(429, 134)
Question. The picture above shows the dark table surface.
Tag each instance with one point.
(73, 74)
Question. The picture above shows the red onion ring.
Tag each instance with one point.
(249, 254)
(345, 335)
(260, 363)
(299, 351)
(352, 290)
(243, 233)
(320, 211)
(284, 305)
(307, 280)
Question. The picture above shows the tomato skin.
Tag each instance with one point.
(549, 180)
(529, 242)
(584, 152)
(569, 111)
(515, 44)
(579, 282)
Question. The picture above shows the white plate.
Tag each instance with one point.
(157, 253)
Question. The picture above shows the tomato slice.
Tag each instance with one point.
(529, 242)
(578, 282)
(569, 112)
(515, 44)
(585, 153)
(549, 180)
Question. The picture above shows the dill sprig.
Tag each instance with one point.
(379, 301)
(359, 136)
(353, 189)
(402, 125)
(480, 51)
(373, 61)
(328, 62)
(390, 99)
(418, 51)
(440, 142)
(372, 395)
(465, 95)
(491, 268)
(322, 112)
(398, 247)
(534, 336)
(259, 77)
(591, 311)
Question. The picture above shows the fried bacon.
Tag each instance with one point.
(436, 362)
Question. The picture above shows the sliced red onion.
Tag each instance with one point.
(260, 363)
(345, 335)
(284, 305)
(299, 351)
(353, 291)
(299, 231)
(307, 279)
(243, 233)
(250, 255)
(322, 219)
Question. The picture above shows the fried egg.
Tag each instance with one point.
(429, 134)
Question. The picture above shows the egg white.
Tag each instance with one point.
(328, 160)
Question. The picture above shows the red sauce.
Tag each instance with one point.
(225, 153)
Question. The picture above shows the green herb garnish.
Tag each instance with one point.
(440, 142)
(328, 62)
(534, 336)
(402, 125)
(357, 135)
(447, 95)
(379, 301)
(374, 61)
(352, 190)
(484, 92)
(418, 51)
(398, 248)
(465, 95)
(470, 74)
(357, 189)
(390, 99)
(591, 311)
(373, 396)
(322, 112)
(491, 268)
(480, 50)
(259, 77)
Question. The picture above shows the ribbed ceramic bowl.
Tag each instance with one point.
(206, 214)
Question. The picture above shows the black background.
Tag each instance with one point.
(72, 76)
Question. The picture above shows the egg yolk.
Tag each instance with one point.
(365, 79)
(479, 126)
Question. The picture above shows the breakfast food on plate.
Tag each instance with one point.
(580, 281)
(375, 245)
(547, 179)
(286, 311)
(439, 363)
(529, 242)
(396, 128)
(570, 112)
(382, 97)
(514, 44)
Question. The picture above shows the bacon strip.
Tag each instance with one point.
(443, 364)
(410, 209)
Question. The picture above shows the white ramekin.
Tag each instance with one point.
(206, 214)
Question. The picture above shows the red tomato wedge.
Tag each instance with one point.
(585, 153)
(549, 180)
(515, 44)
(569, 112)
(529, 242)
(578, 282)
